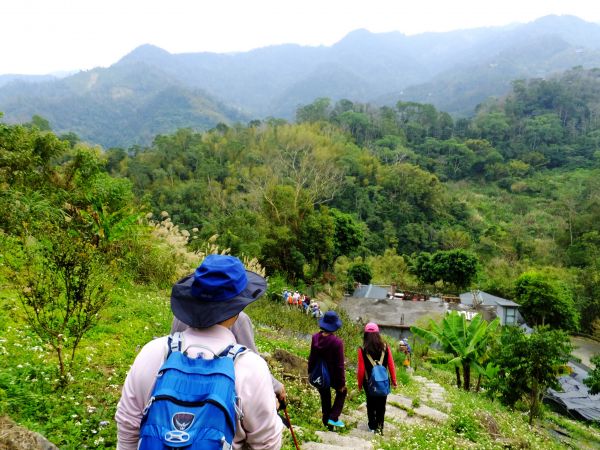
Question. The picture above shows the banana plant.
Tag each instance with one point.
(465, 341)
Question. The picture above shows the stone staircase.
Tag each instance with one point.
(334, 441)
(397, 408)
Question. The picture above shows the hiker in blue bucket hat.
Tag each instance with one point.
(242, 329)
(327, 349)
(209, 302)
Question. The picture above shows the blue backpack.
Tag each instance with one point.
(378, 384)
(319, 376)
(193, 403)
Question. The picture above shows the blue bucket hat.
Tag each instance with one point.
(330, 321)
(219, 289)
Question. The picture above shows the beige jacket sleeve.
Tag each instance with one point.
(136, 392)
(260, 428)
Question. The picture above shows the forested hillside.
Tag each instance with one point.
(517, 186)
(351, 184)
(118, 106)
(507, 202)
(151, 91)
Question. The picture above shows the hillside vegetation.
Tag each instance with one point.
(91, 240)
(516, 186)
(81, 414)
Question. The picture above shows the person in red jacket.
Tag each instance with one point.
(374, 346)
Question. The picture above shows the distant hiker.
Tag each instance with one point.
(404, 342)
(209, 302)
(374, 361)
(405, 348)
(306, 304)
(315, 310)
(243, 331)
(329, 348)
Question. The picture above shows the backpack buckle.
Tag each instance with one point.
(238, 408)
(176, 437)
(226, 445)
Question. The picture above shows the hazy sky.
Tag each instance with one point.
(43, 36)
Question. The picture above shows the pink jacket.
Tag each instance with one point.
(261, 427)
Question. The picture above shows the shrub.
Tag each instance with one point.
(275, 287)
(63, 288)
(361, 273)
(466, 425)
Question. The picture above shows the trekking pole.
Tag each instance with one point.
(287, 417)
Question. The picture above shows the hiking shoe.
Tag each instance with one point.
(335, 423)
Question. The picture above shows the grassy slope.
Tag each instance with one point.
(82, 415)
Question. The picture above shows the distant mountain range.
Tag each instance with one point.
(151, 91)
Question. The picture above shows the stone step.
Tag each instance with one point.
(423, 411)
(321, 446)
(359, 437)
(362, 431)
(395, 413)
(403, 401)
(353, 416)
(431, 414)
(344, 440)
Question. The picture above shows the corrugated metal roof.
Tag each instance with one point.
(370, 291)
(487, 299)
(576, 399)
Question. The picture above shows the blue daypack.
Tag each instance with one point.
(378, 384)
(319, 376)
(193, 404)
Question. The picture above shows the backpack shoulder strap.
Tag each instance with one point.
(233, 351)
(373, 363)
(174, 343)
(380, 361)
(382, 355)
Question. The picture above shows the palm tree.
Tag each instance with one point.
(467, 342)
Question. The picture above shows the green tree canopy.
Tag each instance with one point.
(529, 365)
(361, 273)
(349, 233)
(545, 301)
(593, 380)
(456, 267)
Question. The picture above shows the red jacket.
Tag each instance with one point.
(365, 367)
